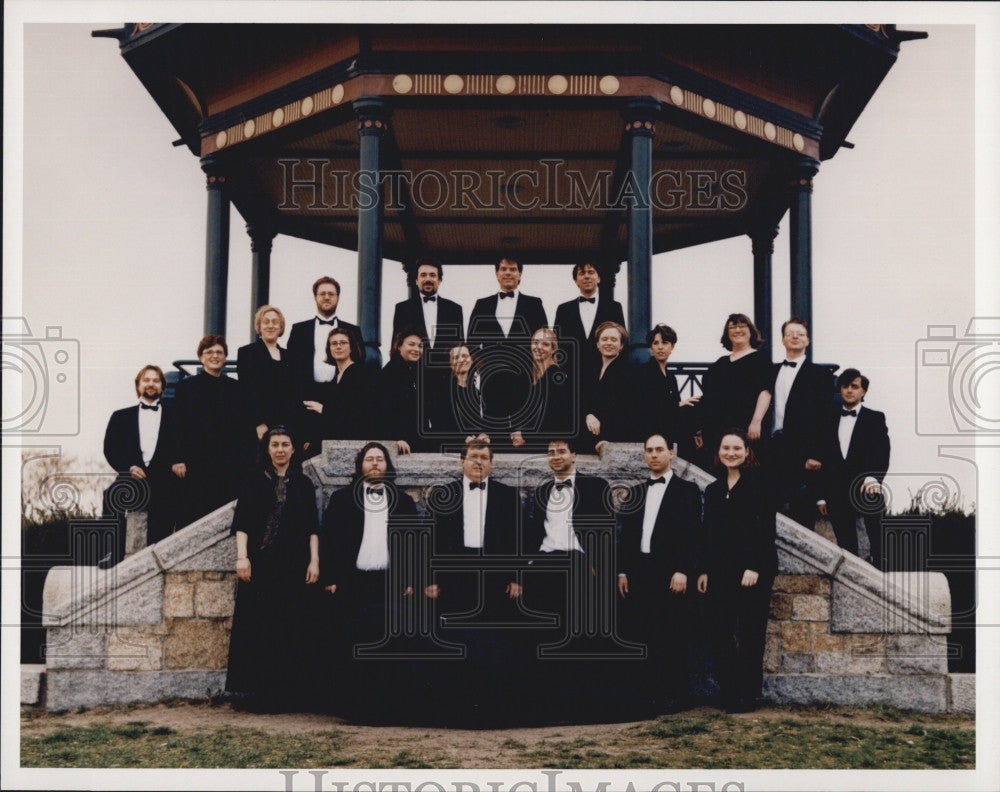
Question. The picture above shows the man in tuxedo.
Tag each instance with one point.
(475, 516)
(138, 444)
(476, 519)
(803, 395)
(577, 320)
(658, 527)
(368, 582)
(567, 515)
(500, 329)
(854, 459)
(307, 357)
(439, 321)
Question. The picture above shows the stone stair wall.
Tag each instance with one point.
(157, 625)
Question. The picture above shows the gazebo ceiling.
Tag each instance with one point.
(511, 138)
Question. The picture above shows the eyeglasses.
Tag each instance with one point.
(339, 343)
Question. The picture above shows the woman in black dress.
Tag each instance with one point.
(657, 397)
(736, 387)
(346, 403)
(610, 389)
(461, 413)
(738, 563)
(548, 411)
(212, 453)
(402, 415)
(264, 374)
(277, 560)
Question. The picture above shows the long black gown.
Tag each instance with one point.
(739, 534)
(271, 652)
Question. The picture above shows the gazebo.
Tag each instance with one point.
(606, 143)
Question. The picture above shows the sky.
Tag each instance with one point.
(104, 236)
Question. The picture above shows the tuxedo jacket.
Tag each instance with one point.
(576, 344)
(450, 322)
(121, 440)
(344, 527)
(867, 454)
(301, 350)
(460, 588)
(505, 362)
(674, 543)
(806, 410)
(266, 385)
(592, 509)
(485, 331)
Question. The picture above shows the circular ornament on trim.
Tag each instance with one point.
(770, 132)
(221, 139)
(249, 128)
(402, 83)
(558, 84)
(307, 105)
(278, 117)
(506, 84)
(453, 84)
(609, 85)
(740, 119)
(677, 95)
(338, 94)
(708, 108)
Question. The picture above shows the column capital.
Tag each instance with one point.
(640, 117)
(762, 239)
(373, 115)
(804, 170)
(215, 176)
(261, 237)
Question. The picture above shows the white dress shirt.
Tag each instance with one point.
(473, 513)
(559, 533)
(782, 387)
(588, 314)
(374, 551)
(846, 430)
(430, 309)
(149, 430)
(322, 371)
(654, 498)
(506, 308)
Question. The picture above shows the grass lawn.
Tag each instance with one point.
(207, 736)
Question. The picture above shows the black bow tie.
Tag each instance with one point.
(789, 363)
(563, 484)
(852, 413)
(374, 491)
(330, 322)
(429, 298)
(505, 295)
(660, 480)
(153, 407)
(586, 299)
(477, 485)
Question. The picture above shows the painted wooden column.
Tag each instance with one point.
(640, 129)
(261, 243)
(216, 248)
(762, 244)
(801, 241)
(372, 126)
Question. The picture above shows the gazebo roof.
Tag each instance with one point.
(511, 137)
